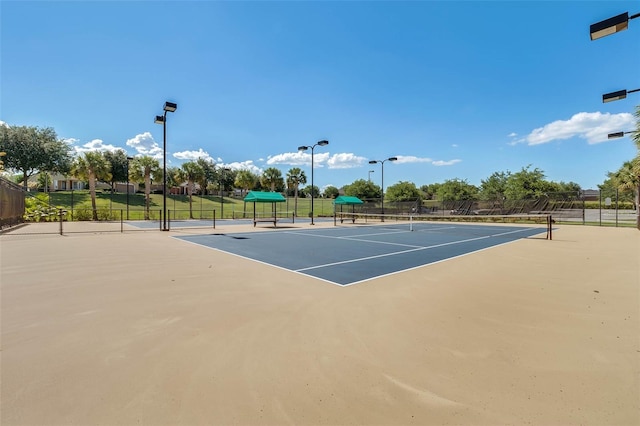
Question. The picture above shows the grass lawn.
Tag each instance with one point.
(112, 206)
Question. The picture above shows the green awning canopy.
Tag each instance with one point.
(347, 200)
(264, 197)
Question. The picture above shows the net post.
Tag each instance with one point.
(121, 222)
(411, 223)
(60, 213)
(214, 218)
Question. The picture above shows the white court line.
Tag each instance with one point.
(407, 251)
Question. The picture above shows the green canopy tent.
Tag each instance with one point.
(345, 200)
(264, 197)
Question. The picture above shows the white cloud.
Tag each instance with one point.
(193, 155)
(445, 163)
(291, 159)
(95, 145)
(454, 145)
(411, 159)
(242, 165)
(513, 135)
(2, 123)
(298, 159)
(71, 141)
(145, 145)
(592, 126)
(345, 161)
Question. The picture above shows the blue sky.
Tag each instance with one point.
(453, 89)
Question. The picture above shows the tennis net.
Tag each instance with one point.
(411, 222)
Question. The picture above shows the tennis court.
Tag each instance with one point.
(346, 255)
(145, 328)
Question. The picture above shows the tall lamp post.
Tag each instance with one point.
(304, 148)
(128, 159)
(370, 171)
(162, 119)
(382, 173)
(222, 171)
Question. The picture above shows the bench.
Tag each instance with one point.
(273, 220)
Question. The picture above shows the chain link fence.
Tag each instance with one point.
(56, 213)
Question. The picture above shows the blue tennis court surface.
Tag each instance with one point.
(350, 255)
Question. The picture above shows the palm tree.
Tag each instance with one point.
(627, 178)
(295, 178)
(272, 177)
(142, 168)
(191, 172)
(208, 175)
(245, 180)
(92, 166)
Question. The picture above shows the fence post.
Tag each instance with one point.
(60, 213)
(121, 221)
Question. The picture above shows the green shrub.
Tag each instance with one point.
(106, 214)
(83, 214)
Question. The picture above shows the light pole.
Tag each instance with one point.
(370, 171)
(382, 173)
(611, 25)
(128, 159)
(304, 148)
(162, 119)
(616, 96)
(222, 191)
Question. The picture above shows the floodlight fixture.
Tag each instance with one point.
(170, 106)
(618, 95)
(611, 26)
(620, 134)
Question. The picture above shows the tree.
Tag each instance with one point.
(92, 166)
(311, 191)
(331, 192)
(142, 169)
(494, 187)
(624, 179)
(191, 172)
(119, 166)
(527, 184)
(173, 177)
(44, 181)
(30, 150)
(403, 191)
(295, 178)
(209, 174)
(245, 180)
(272, 178)
(457, 190)
(430, 191)
(363, 189)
